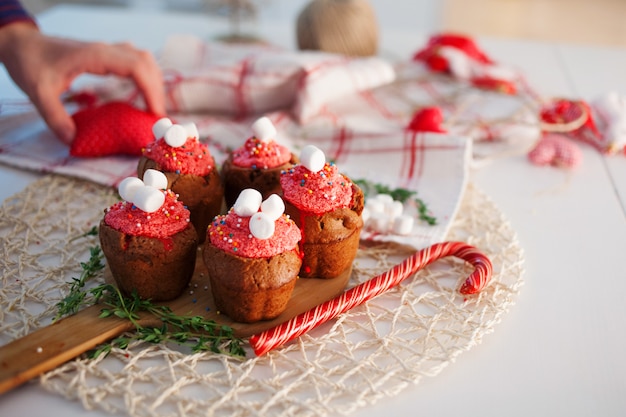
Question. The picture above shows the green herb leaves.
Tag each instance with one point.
(76, 298)
(195, 332)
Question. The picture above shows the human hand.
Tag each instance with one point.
(44, 68)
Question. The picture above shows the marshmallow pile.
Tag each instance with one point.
(263, 129)
(262, 224)
(147, 195)
(383, 214)
(174, 135)
(312, 158)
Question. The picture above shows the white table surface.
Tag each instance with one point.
(560, 351)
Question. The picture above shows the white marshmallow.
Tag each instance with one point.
(312, 158)
(175, 136)
(248, 202)
(384, 198)
(273, 206)
(261, 226)
(263, 129)
(128, 187)
(403, 225)
(149, 199)
(160, 127)
(192, 130)
(155, 179)
(379, 222)
(394, 208)
(375, 206)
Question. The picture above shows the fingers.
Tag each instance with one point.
(127, 61)
(149, 80)
(56, 117)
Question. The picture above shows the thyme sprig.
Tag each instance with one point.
(195, 332)
(400, 194)
(77, 295)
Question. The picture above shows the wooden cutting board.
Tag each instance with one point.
(53, 345)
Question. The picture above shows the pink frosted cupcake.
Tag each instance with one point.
(148, 240)
(190, 170)
(252, 258)
(327, 207)
(257, 164)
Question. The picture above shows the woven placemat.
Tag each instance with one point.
(374, 351)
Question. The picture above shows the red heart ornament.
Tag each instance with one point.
(114, 128)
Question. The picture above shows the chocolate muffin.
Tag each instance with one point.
(257, 164)
(327, 207)
(149, 243)
(189, 168)
(252, 258)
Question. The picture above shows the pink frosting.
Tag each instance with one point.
(318, 192)
(263, 155)
(170, 219)
(192, 158)
(231, 233)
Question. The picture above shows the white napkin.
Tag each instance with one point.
(243, 80)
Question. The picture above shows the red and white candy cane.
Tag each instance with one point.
(277, 336)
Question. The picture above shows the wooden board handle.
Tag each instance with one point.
(53, 345)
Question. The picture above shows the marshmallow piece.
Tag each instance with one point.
(403, 225)
(149, 199)
(128, 187)
(375, 205)
(155, 179)
(312, 158)
(273, 207)
(175, 136)
(262, 226)
(394, 209)
(384, 198)
(192, 130)
(263, 129)
(379, 222)
(160, 127)
(248, 202)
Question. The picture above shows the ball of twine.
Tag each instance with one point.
(346, 27)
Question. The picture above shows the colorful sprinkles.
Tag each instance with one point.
(231, 233)
(191, 158)
(257, 154)
(171, 218)
(317, 192)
